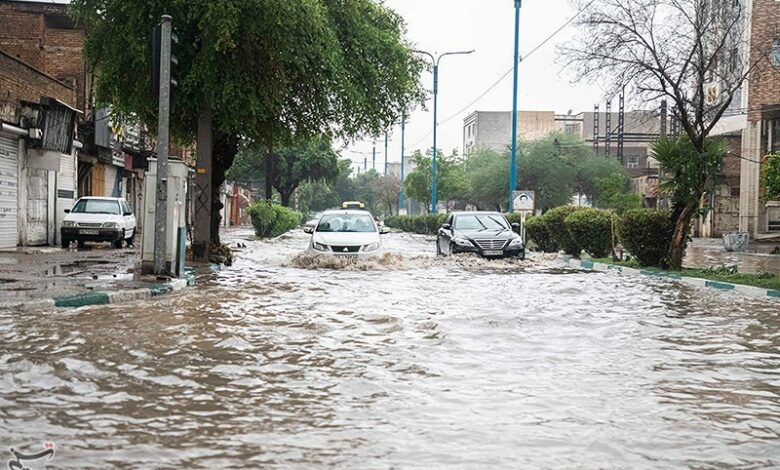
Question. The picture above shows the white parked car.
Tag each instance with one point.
(99, 219)
(350, 233)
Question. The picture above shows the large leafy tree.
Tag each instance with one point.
(488, 173)
(451, 180)
(269, 71)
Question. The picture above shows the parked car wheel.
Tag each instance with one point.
(66, 243)
(131, 240)
(118, 244)
(438, 247)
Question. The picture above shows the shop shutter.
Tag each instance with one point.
(9, 190)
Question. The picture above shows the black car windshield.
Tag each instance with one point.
(96, 206)
(480, 222)
(346, 223)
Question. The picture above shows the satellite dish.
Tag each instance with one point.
(570, 111)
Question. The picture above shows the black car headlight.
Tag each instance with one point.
(462, 241)
(516, 242)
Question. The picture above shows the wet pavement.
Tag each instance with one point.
(47, 272)
(709, 252)
(411, 361)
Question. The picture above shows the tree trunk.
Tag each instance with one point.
(270, 173)
(680, 236)
(225, 150)
(286, 195)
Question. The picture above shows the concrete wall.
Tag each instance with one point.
(21, 82)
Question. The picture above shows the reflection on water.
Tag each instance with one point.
(421, 362)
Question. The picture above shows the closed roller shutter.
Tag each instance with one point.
(37, 207)
(9, 190)
(66, 189)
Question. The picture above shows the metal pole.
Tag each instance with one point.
(385, 153)
(434, 189)
(365, 163)
(513, 164)
(373, 159)
(403, 129)
(161, 208)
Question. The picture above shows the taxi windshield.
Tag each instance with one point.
(346, 223)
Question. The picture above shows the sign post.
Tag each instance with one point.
(524, 203)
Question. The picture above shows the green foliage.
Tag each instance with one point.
(544, 166)
(613, 193)
(271, 69)
(770, 176)
(646, 234)
(556, 224)
(422, 224)
(451, 180)
(488, 174)
(592, 228)
(691, 170)
(538, 231)
(272, 220)
(307, 160)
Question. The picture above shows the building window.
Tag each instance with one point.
(775, 56)
(633, 161)
(571, 129)
(774, 136)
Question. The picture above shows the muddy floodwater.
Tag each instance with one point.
(412, 361)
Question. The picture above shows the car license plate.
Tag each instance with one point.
(88, 232)
(493, 253)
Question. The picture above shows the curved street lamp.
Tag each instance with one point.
(435, 62)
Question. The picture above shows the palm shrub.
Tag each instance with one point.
(646, 234)
(556, 223)
(592, 228)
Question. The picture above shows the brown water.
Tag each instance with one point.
(413, 362)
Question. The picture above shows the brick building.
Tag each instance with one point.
(761, 135)
(37, 153)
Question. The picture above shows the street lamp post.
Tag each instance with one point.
(435, 62)
(373, 158)
(385, 153)
(403, 130)
(513, 165)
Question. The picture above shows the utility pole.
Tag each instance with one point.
(403, 130)
(608, 134)
(373, 158)
(596, 128)
(513, 163)
(385, 153)
(435, 62)
(621, 124)
(163, 144)
(365, 163)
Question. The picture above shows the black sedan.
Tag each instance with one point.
(488, 234)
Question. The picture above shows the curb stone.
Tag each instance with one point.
(750, 291)
(102, 298)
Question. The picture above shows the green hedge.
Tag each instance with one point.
(538, 231)
(556, 224)
(645, 233)
(422, 224)
(272, 220)
(592, 229)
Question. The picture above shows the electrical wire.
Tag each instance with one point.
(506, 74)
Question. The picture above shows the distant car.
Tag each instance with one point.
(99, 219)
(487, 234)
(350, 233)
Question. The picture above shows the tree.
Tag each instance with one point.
(387, 190)
(544, 167)
(451, 180)
(691, 52)
(488, 174)
(364, 185)
(612, 192)
(308, 160)
(270, 71)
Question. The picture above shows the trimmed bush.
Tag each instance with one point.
(645, 233)
(538, 231)
(592, 228)
(556, 223)
(272, 220)
(422, 224)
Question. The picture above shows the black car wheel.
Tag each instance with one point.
(66, 243)
(438, 247)
(118, 243)
(131, 240)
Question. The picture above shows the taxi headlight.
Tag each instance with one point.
(109, 225)
(319, 246)
(371, 247)
(68, 223)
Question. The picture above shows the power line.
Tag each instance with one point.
(506, 74)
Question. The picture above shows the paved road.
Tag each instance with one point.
(414, 361)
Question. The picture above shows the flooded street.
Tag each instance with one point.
(413, 361)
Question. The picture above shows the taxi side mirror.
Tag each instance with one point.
(308, 229)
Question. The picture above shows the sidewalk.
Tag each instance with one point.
(709, 252)
(53, 276)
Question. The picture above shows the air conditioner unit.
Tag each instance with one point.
(36, 133)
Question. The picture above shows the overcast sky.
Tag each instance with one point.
(488, 27)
